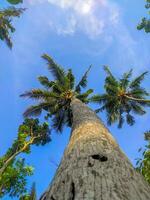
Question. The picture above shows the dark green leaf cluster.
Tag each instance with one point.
(40, 133)
(143, 164)
(6, 27)
(145, 23)
(57, 94)
(15, 1)
(123, 98)
(13, 181)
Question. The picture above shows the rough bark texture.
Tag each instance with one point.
(93, 166)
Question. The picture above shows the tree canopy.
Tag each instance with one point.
(6, 26)
(143, 164)
(57, 94)
(13, 171)
(122, 98)
(145, 22)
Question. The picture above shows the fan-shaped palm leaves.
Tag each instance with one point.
(123, 98)
(57, 94)
(6, 26)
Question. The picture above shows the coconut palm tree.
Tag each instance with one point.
(57, 95)
(6, 27)
(122, 98)
(93, 166)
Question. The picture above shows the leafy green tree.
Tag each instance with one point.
(145, 22)
(143, 164)
(15, 1)
(6, 27)
(57, 95)
(29, 133)
(123, 98)
(13, 171)
(14, 180)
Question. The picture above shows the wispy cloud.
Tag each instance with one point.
(91, 17)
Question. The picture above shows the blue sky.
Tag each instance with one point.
(75, 33)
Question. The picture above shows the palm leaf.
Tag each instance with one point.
(83, 82)
(137, 81)
(56, 70)
(70, 79)
(35, 110)
(124, 82)
(45, 82)
(39, 94)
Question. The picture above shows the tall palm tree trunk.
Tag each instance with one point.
(93, 166)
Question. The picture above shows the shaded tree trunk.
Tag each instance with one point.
(93, 166)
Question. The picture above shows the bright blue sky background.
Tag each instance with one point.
(76, 33)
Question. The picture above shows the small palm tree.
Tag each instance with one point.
(57, 95)
(123, 98)
(6, 27)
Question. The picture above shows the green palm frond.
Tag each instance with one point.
(84, 97)
(55, 99)
(124, 82)
(130, 119)
(39, 94)
(36, 109)
(59, 121)
(137, 81)
(70, 79)
(6, 27)
(55, 69)
(123, 98)
(83, 82)
(15, 1)
(45, 82)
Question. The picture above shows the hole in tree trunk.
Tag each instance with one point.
(52, 198)
(72, 191)
(101, 158)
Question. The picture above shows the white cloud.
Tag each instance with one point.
(98, 22)
(91, 17)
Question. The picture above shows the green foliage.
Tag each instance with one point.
(13, 181)
(31, 195)
(143, 164)
(15, 1)
(6, 27)
(123, 98)
(145, 22)
(57, 95)
(13, 171)
(30, 132)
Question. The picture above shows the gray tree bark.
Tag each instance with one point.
(93, 166)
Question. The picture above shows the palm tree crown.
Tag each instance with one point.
(6, 26)
(56, 96)
(123, 97)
